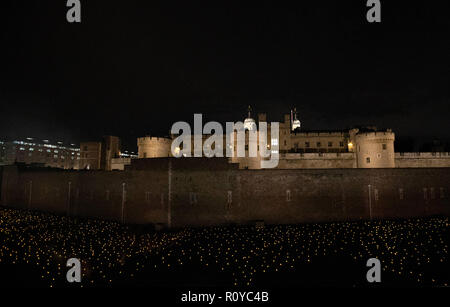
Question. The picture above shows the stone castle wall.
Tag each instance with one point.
(317, 160)
(422, 159)
(208, 192)
(348, 160)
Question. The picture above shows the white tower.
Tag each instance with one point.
(295, 121)
(249, 122)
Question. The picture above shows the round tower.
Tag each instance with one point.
(375, 149)
(153, 147)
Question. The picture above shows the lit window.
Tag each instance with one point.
(274, 142)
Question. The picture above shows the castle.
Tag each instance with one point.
(363, 147)
(359, 147)
(321, 176)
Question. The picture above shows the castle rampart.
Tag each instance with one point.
(422, 159)
(208, 192)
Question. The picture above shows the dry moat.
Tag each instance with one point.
(35, 247)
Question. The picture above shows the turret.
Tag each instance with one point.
(153, 147)
(375, 149)
(249, 122)
(295, 121)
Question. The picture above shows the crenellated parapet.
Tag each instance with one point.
(375, 149)
(153, 147)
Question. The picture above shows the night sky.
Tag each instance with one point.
(133, 68)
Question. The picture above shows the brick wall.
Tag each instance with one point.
(206, 192)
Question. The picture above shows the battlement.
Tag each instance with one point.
(153, 147)
(146, 139)
(387, 135)
(325, 155)
(320, 133)
(422, 159)
(422, 155)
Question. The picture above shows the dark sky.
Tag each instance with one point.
(135, 67)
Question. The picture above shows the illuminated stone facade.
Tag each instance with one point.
(354, 148)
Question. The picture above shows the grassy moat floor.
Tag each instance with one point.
(35, 247)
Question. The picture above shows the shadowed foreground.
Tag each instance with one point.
(35, 247)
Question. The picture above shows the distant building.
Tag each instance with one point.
(104, 155)
(110, 150)
(39, 153)
(90, 155)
